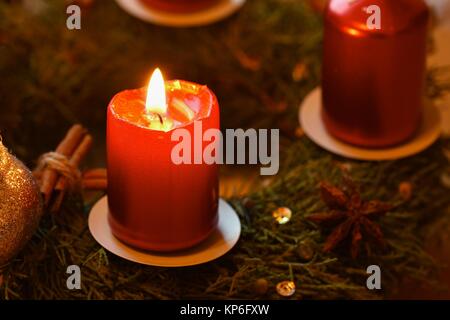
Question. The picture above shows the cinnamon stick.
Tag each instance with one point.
(95, 184)
(76, 158)
(66, 147)
(95, 173)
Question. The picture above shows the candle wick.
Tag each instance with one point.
(160, 118)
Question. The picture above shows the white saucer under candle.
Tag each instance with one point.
(313, 126)
(217, 244)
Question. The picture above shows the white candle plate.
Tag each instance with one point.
(219, 11)
(312, 124)
(217, 244)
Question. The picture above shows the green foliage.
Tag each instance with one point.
(266, 249)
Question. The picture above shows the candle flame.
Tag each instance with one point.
(156, 94)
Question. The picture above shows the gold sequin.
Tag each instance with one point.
(282, 215)
(286, 288)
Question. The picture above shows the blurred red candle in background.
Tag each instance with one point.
(373, 79)
(179, 5)
(155, 204)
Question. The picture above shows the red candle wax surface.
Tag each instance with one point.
(155, 204)
(373, 79)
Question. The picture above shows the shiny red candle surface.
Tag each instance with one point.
(155, 204)
(179, 5)
(373, 79)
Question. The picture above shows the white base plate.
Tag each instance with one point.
(217, 244)
(311, 122)
(221, 10)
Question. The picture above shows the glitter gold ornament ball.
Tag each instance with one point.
(20, 205)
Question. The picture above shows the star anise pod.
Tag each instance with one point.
(351, 214)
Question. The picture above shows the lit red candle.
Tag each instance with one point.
(155, 204)
(373, 78)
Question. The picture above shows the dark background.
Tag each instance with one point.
(260, 63)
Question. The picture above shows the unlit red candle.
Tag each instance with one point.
(373, 78)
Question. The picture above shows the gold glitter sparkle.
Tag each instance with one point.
(20, 205)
